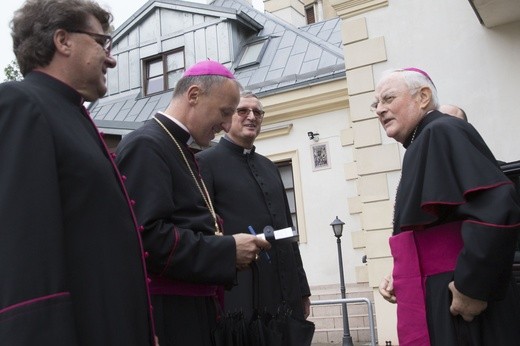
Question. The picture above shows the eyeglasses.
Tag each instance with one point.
(104, 41)
(244, 112)
(385, 100)
(388, 99)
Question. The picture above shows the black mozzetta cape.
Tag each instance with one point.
(449, 174)
(248, 191)
(71, 264)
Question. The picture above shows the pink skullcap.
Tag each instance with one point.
(414, 69)
(208, 68)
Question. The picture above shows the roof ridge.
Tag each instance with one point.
(327, 46)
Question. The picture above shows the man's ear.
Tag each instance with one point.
(62, 42)
(425, 95)
(194, 93)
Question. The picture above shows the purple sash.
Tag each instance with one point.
(417, 255)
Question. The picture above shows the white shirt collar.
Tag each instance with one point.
(181, 125)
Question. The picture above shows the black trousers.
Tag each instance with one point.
(184, 321)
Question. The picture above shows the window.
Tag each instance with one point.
(309, 14)
(162, 72)
(285, 168)
(252, 53)
(289, 167)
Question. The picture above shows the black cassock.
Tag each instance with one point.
(248, 191)
(187, 261)
(450, 177)
(71, 264)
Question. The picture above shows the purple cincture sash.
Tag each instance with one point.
(417, 255)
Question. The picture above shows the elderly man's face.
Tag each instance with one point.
(398, 107)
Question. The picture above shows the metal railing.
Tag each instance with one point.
(354, 300)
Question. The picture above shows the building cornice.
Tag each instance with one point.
(351, 8)
(304, 102)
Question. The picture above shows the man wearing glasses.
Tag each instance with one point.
(72, 268)
(247, 190)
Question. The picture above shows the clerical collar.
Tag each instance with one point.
(245, 151)
(181, 125)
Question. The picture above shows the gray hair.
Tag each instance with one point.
(250, 94)
(416, 79)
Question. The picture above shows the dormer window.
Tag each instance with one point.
(252, 53)
(163, 71)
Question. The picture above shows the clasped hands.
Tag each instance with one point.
(248, 248)
(465, 306)
(461, 304)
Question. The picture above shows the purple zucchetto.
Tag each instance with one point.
(208, 68)
(415, 69)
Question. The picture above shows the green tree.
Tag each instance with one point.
(12, 72)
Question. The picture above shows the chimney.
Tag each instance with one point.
(290, 11)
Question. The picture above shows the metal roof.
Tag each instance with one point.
(293, 58)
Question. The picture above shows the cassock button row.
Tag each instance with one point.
(146, 254)
(141, 228)
(113, 155)
(132, 202)
(101, 133)
(148, 280)
(123, 177)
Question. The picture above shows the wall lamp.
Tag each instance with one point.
(313, 136)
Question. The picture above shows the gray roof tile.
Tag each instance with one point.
(300, 46)
(274, 74)
(148, 110)
(288, 39)
(281, 59)
(294, 64)
(309, 66)
(313, 53)
(259, 75)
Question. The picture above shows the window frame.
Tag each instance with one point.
(291, 157)
(162, 57)
(308, 10)
(262, 40)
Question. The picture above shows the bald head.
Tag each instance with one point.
(453, 111)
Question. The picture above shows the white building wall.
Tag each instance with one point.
(472, 66)
(325, 195)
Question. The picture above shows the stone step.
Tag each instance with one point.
(336, 310)
(328, 318)
(334, 336)
(355, 321)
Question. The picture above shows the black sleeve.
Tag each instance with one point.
(174, 252)
(460, 180)
(489, 233)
